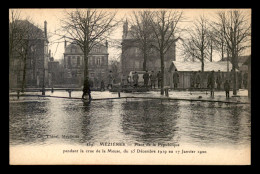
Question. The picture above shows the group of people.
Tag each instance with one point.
(196, 79)
(218, 79)
(153, 77)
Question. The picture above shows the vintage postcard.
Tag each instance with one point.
(130, 86)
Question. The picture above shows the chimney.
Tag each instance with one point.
(65, 45)
(45, 29)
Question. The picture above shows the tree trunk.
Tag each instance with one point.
(202, 61)
(202, 66)
(24, 73)
(145, 60)
(86, 75)
(222, 51)
(211, 52)
(234, 73)
(162, 71)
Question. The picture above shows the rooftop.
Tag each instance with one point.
(73, 48)
(34, 31)
(196, 66)
(241, 59)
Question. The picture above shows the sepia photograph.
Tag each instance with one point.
(130, 86)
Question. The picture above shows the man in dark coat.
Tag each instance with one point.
(239, 78)
(192, 79)
(86, 90)
(110, 80)
(219, 80)
(245, 80)
(102, 87)
(159, 77)
(211, 83)
(135, 79)
(153, 79)
(227, 88)
(198, 79)
(175, 79)
(146, 79)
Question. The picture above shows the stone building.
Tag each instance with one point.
(55, 73)
(132, 57)
(30, 48)
(186, 70)
(74, 65)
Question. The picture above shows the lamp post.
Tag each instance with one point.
(43, 81)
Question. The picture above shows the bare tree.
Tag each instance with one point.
(141, 31)
(196, 45)
(23, 38)
(29, 35)
(88, 28)
(14, 15)
(236, 28)
(217, 36)
(210, 38)
(164, 26)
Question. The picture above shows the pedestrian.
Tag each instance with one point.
(110, 80)
(18, 94)
(219, 80)
(102, 87)
(96, 82)
(159, 77)
(146, 78)
(192, 79)
(198, 79)
(239, 80)
(175, 79)
(129, 80)
(86, 90)
(153, 79)
(69, 91)
(211, 83)
(135, 78)
(245, 79)
(227, 88)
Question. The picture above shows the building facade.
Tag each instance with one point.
(74, 65)
(32, 50)
(55, 73)
(132, 57)
(186, 71)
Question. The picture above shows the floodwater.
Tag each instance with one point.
(66, 121)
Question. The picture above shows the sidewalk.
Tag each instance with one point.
(196, 95)
(185, 95)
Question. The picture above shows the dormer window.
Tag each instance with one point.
(73, 50)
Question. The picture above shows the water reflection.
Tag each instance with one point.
(28, 122)
(143, 121)
(150, 121)
(211, 125)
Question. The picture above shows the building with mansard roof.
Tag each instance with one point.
(74, 65)
(29, 52)
(132, 57)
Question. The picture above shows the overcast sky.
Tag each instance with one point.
(53, 16)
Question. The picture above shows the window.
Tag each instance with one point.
(137, 64)
(103, 60)
(136, 52)
(98, 59)
(69, 61)
(78, 60)
(73, 50)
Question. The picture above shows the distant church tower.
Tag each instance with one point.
(125, 29)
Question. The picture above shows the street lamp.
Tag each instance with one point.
(43, 80)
